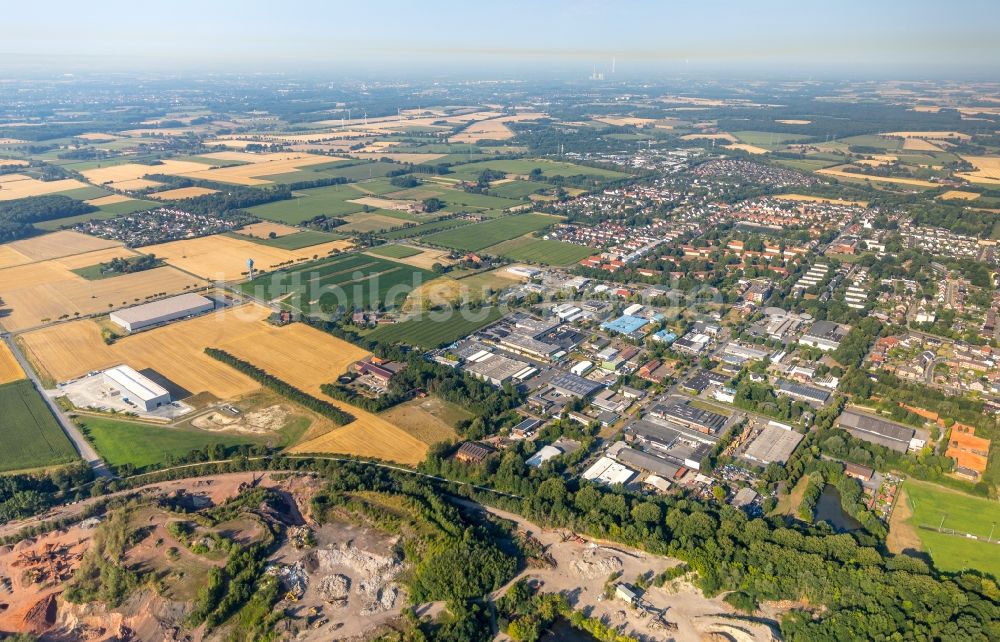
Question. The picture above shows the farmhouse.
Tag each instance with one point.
(137, 388)
(470, 452)
(163, 311)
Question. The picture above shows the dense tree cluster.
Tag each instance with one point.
(25, 495)
(304, 399)
(17, 216)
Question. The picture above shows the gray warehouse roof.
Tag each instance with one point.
(773, 444)
(648, 462)
(163, 307)
(572, 384)
(876, 430)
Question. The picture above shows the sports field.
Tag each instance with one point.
(347, 282)
(126, 442)
(29, 433)
(436, 329)
(532, 250)
(936, 506)
(481, 235)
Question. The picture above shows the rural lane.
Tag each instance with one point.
(80, 443)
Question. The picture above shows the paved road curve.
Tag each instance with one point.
(80, 443)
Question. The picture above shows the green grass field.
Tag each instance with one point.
(30, 435)
(481, 235)
(295, 241)
(332, 201)
(429, 332)
(394, 251)
(532, 250)
(765, 139)
(516, 189)
(458, 200)
(871, 140)
(426, 228)
(805, 164)
(347, 281)
(471, 171)
(125, 442)
(961, 512)
(85, 193)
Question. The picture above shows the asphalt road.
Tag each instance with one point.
(80, 443)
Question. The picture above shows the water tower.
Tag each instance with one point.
(250, 267)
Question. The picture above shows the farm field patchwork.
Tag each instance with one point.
(930, 503)
(181, 193)
(523, 167)
(224, 258)
(296, 241)
(345, 282)
(307, 204)
(481, 235)
(534, 250)
(14, 186)
(38, 293)
(126, 442)
(29, 432)
(394, 251)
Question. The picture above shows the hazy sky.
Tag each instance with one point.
(958, 37)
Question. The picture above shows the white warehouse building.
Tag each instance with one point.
(162, 311)
(137, 388)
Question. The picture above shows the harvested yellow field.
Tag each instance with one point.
(877, 160)
(839, 173)
(362, 222)
(58, 244)
(9, 257)
(249, 174)
(399, 157)
(955, 194)
(793, 121)
(920, 145)
(221, 258)
(264, 229)
(38, 293)
(110, 199)
(625, 121)
(133, 184)
(321, 250)
(10, 369)
(483, 130)
(751, 149)
(183, 192)
(252, 157)
(370, 437)
(987, 169)
(20, 186)
(14, 161)
(70, 350)
(296, 353)
(819, 199)
(131, 171)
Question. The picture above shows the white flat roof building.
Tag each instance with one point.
(608, 471)
(137, 387)
(162, 311)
